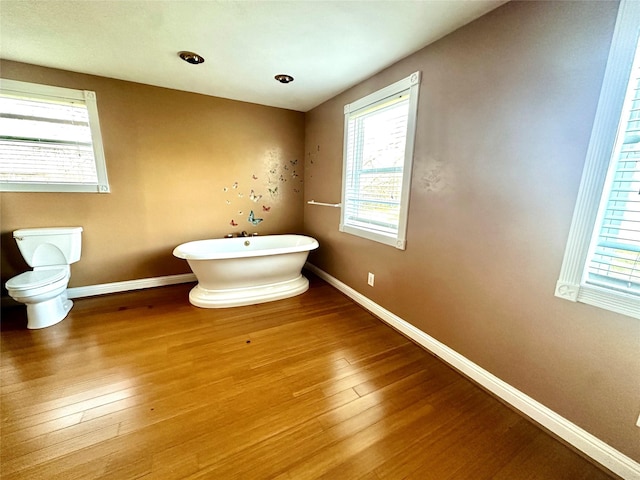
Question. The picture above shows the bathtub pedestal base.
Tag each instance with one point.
(236, 297)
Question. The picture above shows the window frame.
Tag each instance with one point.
(410, 85)
(86, 97)
(571, 285)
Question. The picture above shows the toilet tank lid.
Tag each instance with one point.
(26, 232)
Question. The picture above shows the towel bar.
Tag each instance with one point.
(313, 202)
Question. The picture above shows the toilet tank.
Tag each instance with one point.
(41, 247)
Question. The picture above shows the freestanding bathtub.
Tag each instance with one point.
(246, 270)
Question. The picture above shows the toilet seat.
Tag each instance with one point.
(36, 279)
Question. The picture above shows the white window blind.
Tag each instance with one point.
(49, 139)
(378, 154)
(614, 260)
(375, 160)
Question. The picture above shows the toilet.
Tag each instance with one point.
(50, 252)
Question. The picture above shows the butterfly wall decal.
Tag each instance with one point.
(265, 208)
(254, 197)
(252, 218)
(273, 191)
(233, 223)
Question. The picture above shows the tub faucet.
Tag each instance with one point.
(243, 234)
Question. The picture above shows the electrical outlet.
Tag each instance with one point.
(371, 278)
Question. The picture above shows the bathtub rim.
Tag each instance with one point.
(181, 251)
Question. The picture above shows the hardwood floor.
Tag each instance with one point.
(144, 385)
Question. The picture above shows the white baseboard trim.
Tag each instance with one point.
(115, 287)
(582, 440)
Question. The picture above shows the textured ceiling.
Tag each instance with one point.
(328, 46)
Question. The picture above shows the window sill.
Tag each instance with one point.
(600, 297)
(53, 188)
(399, 243)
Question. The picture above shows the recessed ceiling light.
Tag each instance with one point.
(283, 78)
(192, 58)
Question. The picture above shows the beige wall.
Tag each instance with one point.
(505, 111)
(169, 155)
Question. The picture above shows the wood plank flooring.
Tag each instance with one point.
(144, 385)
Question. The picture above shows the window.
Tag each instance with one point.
(378, 154)
(602, 259)
(49, 140)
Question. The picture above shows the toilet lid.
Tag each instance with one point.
(35, 279)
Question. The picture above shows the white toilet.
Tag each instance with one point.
(50, 251)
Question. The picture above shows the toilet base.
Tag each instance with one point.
(47, 313)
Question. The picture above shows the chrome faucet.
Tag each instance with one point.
(243, 234)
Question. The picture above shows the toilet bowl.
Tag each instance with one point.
(45, 294)
(50, 251)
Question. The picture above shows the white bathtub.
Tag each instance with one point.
(246, 270)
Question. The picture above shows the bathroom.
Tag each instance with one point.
(478, 273)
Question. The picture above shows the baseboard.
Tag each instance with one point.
(582, 440)
(125, 286)
(115, 287)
